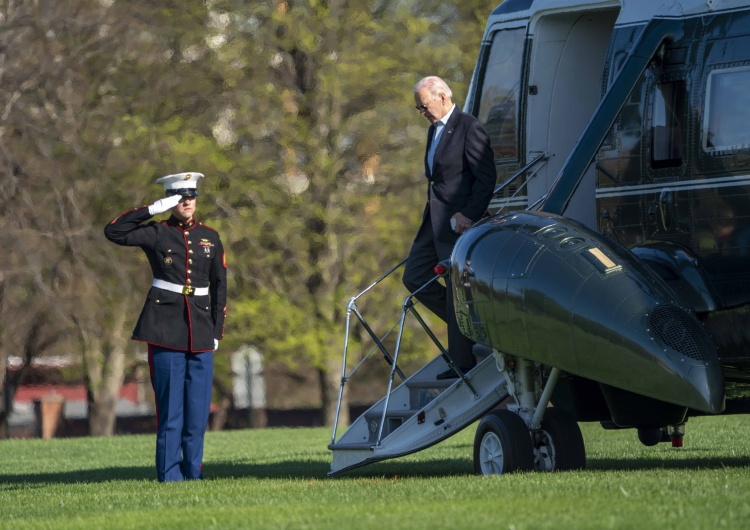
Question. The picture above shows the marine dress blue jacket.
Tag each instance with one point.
(188, 254)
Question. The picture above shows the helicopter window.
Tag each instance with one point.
(727, 111)
(666, 133)
(500, 94)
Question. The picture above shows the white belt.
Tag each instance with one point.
(182, 289)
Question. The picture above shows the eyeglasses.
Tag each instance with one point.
(423, 106)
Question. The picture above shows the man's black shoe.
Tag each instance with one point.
(450, 373)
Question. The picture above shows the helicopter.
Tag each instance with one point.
(611, 282)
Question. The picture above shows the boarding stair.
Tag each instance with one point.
(421, 410)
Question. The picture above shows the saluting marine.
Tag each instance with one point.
(182, 319)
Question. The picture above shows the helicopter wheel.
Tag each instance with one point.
(558, 444)
(502, 444)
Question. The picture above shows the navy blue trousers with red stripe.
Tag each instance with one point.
(182, 387)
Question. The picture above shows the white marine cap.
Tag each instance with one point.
(184, 184)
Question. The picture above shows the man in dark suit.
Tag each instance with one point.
(182, 319)
(460, 169)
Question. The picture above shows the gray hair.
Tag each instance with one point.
(434, 86)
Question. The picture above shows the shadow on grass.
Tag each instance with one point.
(307, 470)
(13, 482)
(318, 470)
(450, 467)
(632, 464)
(227, 470)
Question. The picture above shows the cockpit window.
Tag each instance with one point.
(727, 115)
(501, 93)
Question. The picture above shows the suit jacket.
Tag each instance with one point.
(463, 176)
(182, 253)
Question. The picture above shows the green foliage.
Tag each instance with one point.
(339, 120)
(275, 478)
(299, 113)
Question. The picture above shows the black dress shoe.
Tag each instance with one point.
(450, 373)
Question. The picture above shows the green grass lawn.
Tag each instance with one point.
(276, 478)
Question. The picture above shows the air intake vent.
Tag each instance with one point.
(680, 332)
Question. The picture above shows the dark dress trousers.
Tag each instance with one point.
(184, 254)
(462, 179)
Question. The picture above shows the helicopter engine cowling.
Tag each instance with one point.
(546, 288)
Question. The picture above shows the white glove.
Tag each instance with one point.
(216, 344)
(162, 205)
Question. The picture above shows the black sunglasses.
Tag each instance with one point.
(421, 107)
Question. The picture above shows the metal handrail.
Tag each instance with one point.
(352, 308)
(383, 277)
(407, 307)
(500, 187)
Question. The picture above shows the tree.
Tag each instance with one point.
(57, 130)
(332, 118)
(300, 113)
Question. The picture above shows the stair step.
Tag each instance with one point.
(403, 414)
(416, 420)
(350, 447)
(393, 420)
(431, 383)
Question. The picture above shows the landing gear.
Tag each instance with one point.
(649, 436)
(529, 435)
(502, 444)
(558, 444)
